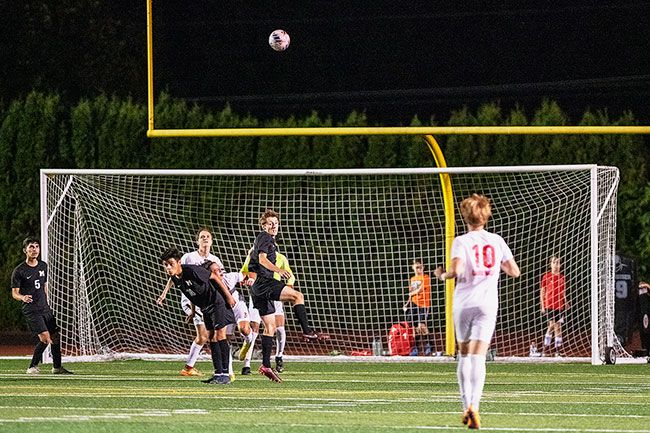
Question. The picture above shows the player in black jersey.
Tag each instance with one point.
(266, 289)
(29, 285)
(206, 290)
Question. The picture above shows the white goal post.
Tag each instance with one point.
(350, 236)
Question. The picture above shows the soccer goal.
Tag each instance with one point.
(350, 236)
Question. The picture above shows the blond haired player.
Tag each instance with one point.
(477, 258)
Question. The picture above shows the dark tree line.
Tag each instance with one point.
(43, 130)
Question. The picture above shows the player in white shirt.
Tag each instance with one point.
(476, 260)
(230, 279)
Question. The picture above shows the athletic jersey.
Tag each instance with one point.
(281, 262)
(264, 243)
(31, 281)
(423, 298)
(194, 282)
(554, 286)
(194, 258)
(482, 252)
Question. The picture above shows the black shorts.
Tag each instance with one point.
(41, 321)
(217, 316)
(555, 315)
(264, 292)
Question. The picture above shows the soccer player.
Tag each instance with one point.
(29, 286)
(552, 299)
(206, 290)
(204, 240)
(418, 307)
(267, 289)
(281, 262)
(476, 258)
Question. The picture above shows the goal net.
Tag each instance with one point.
(350, 236)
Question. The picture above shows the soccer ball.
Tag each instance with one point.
(279, 40)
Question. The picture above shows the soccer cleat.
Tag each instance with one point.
(33, 370)
(232, 377)
(465, 417)
(61, 370)
(217, 379)
(279, 364)
(191, 372)
(244, 350)
(473, 419)
(315, 336)
(270, 373)
(246, 371)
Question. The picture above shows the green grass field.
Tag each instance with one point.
(150, 396)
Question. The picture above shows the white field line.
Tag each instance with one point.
(114, 415)
(213, 394)
(325, 408)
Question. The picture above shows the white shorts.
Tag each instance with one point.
(253, 312)
(279, 309)
(187, 308)
(241, 314)
(474, 323)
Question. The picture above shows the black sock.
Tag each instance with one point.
(267, 347)
(216, 357)
(56, 355)
(38, 354)
(301, 314)
(225, 355)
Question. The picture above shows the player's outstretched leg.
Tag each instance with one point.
(298, 301)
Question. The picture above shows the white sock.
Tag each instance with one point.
(230, 371)
(249, 355)
(195, 351)
(280, 339)
(477, 379)
(464, 383)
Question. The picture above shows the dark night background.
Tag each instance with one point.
(397, 59)
(391, 59)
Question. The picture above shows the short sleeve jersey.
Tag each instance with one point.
(423, 298)
(194, 283)
(482, 252)
(554, 286)
(264, 243)
(31, 281)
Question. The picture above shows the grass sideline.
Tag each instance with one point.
(150, 396)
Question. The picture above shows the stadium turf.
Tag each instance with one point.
(150, 396)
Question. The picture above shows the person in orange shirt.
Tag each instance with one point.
(553, 304)
(418, 308)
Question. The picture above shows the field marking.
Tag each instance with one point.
(214, 393)
(593, 387)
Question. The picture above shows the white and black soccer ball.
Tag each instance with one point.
(279, 40)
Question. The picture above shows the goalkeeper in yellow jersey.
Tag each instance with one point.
(245, 354)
